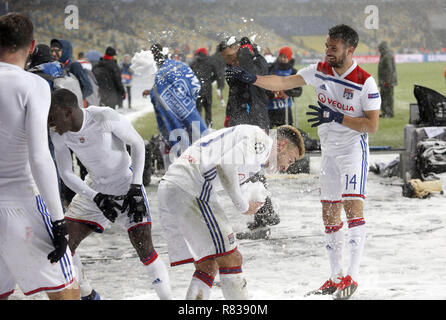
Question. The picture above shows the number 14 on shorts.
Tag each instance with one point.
(350, 181)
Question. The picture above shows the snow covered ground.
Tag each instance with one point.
(404, 256)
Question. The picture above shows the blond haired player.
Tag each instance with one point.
(196, 227)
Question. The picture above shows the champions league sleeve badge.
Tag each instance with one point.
(259, 147)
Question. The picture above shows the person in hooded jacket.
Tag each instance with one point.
(108, 75)
(207, 72)
(387, 79)
(62, 51)
(280, 102)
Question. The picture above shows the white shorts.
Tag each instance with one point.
(85, 211)
(343, 174)
(25, 242)
(195, 230)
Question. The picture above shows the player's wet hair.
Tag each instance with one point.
(63, 98)
(348, 35)
(16, 32)
(293, 135)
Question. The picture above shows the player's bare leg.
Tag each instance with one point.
(233, 284)
(141, 238)
(70, 293)
(78, 232)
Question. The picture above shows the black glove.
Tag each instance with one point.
(324, 115)
(60, 240)
(240, 74)
(107, 204)
(134, 200)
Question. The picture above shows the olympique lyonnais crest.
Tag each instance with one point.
(348, 93)
(82, 139)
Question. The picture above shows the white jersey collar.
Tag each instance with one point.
(347, 72)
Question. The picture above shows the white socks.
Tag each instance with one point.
(200, 286)
(233, 284)
(82, 280)
(158, 275)
(334, 240)
(356, 242)
(334, 244)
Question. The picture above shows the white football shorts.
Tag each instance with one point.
(343, 173)
(195, 230)
(25, 242)
(84, 210)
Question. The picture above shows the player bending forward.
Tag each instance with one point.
(192, 216)
(348, 111)
(98, 136)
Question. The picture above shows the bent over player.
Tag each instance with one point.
(33, 244)
(98, 136)
(347, 111)
(196, 227)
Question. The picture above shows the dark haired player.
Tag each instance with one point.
(347, 111)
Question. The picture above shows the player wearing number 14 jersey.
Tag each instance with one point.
(348, 109)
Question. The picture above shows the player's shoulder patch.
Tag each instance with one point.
(325, 68)
(358, 75)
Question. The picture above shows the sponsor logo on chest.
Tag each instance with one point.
(337, 104)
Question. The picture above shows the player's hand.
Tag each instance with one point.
(324, 114)
(145, 93)
(254, 206)
(107, 204)
(240, 74)
(134, 200)
(60, 241)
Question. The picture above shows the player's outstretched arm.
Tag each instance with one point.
(278, 83)
(270, 82)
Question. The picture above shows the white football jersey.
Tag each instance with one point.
(100, 145)
(221, 160)
(351, 93)
(26, 166)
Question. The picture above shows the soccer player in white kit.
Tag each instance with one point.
(196, 227)
(98, 136)
(348, 109)
(33, 244)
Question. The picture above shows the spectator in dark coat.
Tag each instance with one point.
(207, 72)
(247, 104)
(108, 76)
(62, 51)
(387, 79)
(280, 103)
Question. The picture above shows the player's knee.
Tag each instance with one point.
(209, 267)
(231, 260)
